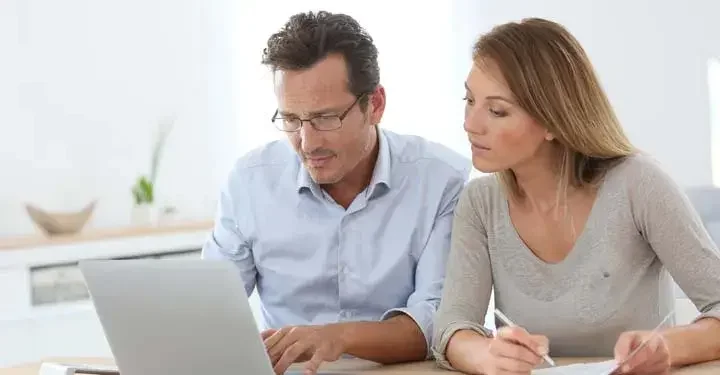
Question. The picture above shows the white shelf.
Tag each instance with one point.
(104, 248)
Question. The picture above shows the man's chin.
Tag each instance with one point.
(324, 178)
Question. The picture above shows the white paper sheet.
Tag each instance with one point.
(593, 368)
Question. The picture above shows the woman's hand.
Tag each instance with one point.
(514, 351)
(652, 358)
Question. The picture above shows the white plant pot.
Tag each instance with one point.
(144, 214)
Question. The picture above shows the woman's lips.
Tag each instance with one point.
(478, 147)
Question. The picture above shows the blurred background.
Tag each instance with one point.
(119, 120)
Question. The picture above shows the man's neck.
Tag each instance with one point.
(345, 191)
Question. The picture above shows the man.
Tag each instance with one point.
(345, 234)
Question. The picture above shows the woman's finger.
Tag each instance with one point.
(646, 355)
(522, 337)
(511, 350)
(513, 366)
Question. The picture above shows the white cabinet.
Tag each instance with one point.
(45, 279)
(44, 304)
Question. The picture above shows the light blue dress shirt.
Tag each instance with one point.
(313, 262)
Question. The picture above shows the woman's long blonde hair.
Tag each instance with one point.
(553, 80)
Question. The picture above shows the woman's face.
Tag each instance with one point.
(502, 135)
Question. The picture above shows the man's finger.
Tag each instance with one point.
(267, 333)
(313, 365)
(290, 355)
(288, 337)
(275, 337)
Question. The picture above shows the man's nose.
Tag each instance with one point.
(310, 138)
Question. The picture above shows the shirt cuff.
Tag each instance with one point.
(439, 350)
(422, 314)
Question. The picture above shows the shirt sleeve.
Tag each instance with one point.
(468, 282)
(666, 219)
(227, 242)
(430, 270)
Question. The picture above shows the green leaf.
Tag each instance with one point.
(143, 191)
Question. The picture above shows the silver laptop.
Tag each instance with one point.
(180, 317)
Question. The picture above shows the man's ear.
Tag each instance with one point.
(376, 104)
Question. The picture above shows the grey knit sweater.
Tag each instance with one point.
(641, 230)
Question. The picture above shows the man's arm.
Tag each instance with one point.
(405, 334)
(402, 334)
(226, 241)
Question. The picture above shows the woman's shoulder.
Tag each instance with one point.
(639, 170)
(483, 195)
(642, 178)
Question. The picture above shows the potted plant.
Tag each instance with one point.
(143, 192)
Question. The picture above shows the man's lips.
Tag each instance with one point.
(319, 161)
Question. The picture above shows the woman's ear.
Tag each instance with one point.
(549, 136)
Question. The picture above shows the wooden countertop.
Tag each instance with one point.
(351, 366)
(24, 242)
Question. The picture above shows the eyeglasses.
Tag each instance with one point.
(321, 123)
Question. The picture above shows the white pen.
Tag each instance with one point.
(509, 322)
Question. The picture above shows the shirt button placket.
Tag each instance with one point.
(342, 274)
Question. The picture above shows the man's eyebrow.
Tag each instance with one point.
(315, 113)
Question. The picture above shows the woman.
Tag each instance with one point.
(575, 231)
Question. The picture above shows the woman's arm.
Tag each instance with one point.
(459, 321)
(693, 343)
(672, 227)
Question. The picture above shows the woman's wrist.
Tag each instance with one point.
(467, 350)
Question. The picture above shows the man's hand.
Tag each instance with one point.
(311, 344)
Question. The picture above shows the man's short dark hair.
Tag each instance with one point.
(309, 37)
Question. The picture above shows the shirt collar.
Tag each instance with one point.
(380, 177)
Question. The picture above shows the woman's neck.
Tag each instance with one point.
(539, 182)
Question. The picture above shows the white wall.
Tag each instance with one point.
(651, 57)
(84, 83)
(415, 57)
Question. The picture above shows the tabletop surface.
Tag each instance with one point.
(353, 366)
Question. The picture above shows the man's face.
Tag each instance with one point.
(328, 155)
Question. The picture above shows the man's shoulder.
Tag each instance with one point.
(268, 155)
(413, 149)
(264, 164)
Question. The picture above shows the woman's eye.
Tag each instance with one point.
(497, 113)
(468, 100)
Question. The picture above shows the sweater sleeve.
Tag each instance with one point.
(667, 220)
(468, 279)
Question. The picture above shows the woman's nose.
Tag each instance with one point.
(473, 123)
